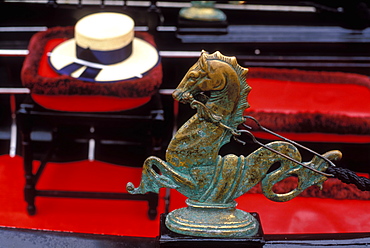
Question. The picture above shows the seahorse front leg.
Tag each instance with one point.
(152, 181)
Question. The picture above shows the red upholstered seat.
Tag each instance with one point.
(62, 102)
(311, 106)
(65, 93)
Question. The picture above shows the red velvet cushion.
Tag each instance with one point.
(61, 92)
(311, 106)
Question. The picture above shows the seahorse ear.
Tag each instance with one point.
(203, 61)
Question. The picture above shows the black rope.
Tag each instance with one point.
(345, 175)
(348, 176)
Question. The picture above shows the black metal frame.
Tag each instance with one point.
(30, 114)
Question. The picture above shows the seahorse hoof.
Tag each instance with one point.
(333, 155)
(130, 187)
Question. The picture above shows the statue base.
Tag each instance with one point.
(212, 220)
(169, 238)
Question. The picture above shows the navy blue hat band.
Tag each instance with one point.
(88, 74)
(99, 57)
(104, 57)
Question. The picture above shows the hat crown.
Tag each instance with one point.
(104, 31)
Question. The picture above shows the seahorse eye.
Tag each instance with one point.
(193, 75)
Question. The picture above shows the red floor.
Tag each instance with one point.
(128, 218)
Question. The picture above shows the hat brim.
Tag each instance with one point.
(143, 58)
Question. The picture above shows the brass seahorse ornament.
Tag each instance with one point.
(211, 182)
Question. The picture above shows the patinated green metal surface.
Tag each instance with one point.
(194, 167)
(202, 11)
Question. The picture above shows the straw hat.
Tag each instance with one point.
(104, 49)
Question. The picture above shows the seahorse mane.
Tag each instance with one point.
(244, 87)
